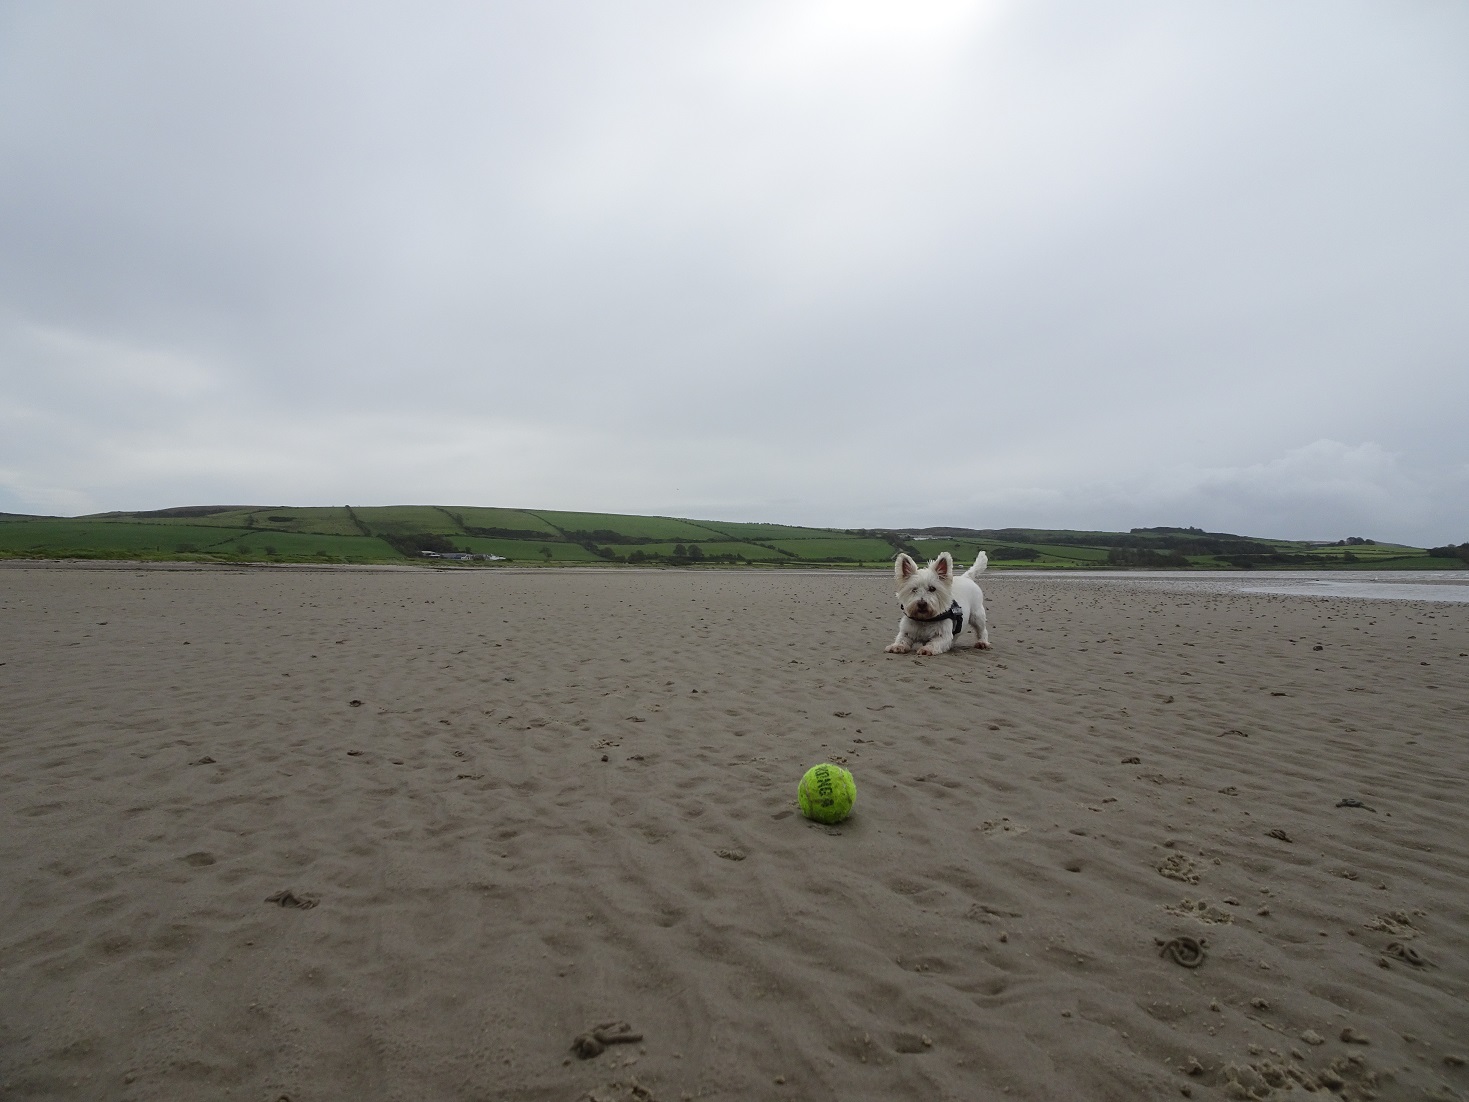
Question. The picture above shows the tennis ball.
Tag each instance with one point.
(827, 793)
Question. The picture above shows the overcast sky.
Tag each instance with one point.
(1069, 265)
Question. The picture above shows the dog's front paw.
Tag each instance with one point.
(928, 652)
(896, 648)
(981, 645)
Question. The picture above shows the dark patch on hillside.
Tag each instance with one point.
(515, 534)
(1185, 541)
(181, 511)
(410, 544)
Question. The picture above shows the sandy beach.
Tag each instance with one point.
(496, 809)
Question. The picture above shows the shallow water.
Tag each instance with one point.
(1450, 586)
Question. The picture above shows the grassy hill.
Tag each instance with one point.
(415, 533)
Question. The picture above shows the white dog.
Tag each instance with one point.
(937, 606)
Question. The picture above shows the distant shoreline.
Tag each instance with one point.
(484, 536)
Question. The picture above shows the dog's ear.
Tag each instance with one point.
(904, 567)
(943, 566)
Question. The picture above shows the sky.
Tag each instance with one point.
(1049, 263)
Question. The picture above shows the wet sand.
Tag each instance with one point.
(496, 809)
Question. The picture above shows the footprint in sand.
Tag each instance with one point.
(911, 1044)
(1178, 867)
(595, 1040)
(1004, 826)
(1406, 953)
(1201, 910)
(288, 898)
(1186, 951)
(1394, 922)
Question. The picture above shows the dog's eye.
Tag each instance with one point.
(930, 589)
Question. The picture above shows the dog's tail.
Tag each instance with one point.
(979, 565)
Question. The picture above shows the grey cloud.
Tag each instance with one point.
(770, 261)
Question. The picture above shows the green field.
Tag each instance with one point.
(392, 520)
(317, 521)
(405, 533)
(632, 528)
(1047, 556)
(709, 549)
(166, 539)
(766, 532)
(832, 548)
(505, 520)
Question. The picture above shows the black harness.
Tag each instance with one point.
(955, 613)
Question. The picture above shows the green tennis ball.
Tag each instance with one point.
(827, 793)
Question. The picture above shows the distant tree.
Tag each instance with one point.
(680, 551)
(695, 552)
(1147, 557)
(411, 544)
(545, 552)
(1450, 551)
